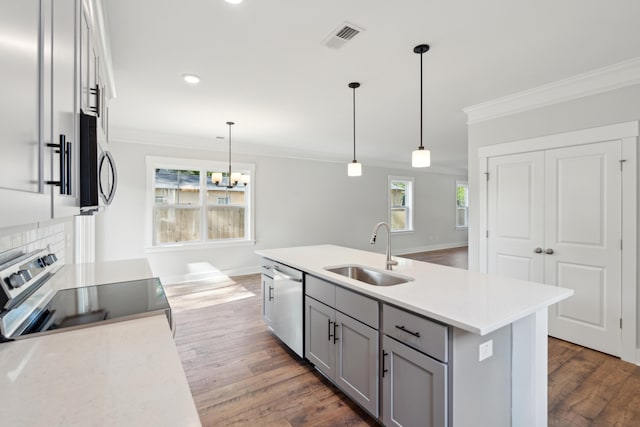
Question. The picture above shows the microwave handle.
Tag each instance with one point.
(108, 158)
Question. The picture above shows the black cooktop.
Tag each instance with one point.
(86, 306)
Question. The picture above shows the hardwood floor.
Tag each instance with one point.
(240, 374)
(454, 257)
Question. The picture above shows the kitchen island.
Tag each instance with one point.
(125, 373)
(475, 308)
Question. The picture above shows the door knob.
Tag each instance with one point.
(549, 251)
(538, 250)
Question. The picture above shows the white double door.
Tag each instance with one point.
(554, 217)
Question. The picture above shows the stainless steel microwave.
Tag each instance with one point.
(98, 173)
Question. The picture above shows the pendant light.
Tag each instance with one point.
(354, 168)
(233, 178)
(421, 158)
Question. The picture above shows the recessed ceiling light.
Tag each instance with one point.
(191, 78)
(234, 1)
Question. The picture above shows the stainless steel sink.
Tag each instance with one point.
(368, 275)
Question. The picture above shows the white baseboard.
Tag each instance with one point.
(253, 269)
(437, 247)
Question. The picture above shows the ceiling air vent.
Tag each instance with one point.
(342, 35)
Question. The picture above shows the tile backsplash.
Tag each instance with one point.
(28, 238)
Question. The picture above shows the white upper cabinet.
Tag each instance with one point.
(95, 66)
(20, 59)
(22, 174)
(45, 81)
(62, 137)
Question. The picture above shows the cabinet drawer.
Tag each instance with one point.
(321, 290)
(357, 306)
(266, 267)
(422, 334)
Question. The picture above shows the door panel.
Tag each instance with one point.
(516, 196)
(580, 219)
(583, 228)
(414, 388)
(514, 266)
(319, 346)
(587, 303)
(357, 361)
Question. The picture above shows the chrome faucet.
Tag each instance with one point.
(390, 262)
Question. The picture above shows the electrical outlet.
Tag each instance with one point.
(485, 350)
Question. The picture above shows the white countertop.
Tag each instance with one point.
(100, 273)
(476, 302)
(121, 374)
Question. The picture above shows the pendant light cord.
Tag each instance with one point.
(421, 147)
(354, 124)
(229, 153)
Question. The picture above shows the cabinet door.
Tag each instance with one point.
(20, 64)
(319, 336)
(414, 387)
(357, 361)
(267, 300)
(21, 151)
(85, 100)
(64, 117)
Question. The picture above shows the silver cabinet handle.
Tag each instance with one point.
(549, 251)
(538, 250)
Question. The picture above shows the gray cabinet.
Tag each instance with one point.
(356, 370)
(267, 292)
(415, 352)
(414, 387)
(319, 336)
(282, 303)
(339, 344)
(267, 299)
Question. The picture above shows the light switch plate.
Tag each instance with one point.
(485, 350)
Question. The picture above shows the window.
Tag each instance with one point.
(187, 207)
(462, 204)
(400, 203)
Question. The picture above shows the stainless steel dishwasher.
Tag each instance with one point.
(286, 296)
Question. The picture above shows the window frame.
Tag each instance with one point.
(204, 166)
(409, 202)
(466, 208)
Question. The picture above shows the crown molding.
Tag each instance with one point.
(158, 139)
(616, 76)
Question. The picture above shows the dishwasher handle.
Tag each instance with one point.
(286, 276)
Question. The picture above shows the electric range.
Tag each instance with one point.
(30, 307)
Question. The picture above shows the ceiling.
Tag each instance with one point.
(263, 64)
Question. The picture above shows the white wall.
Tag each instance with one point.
(298, 202)
(607, 108)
